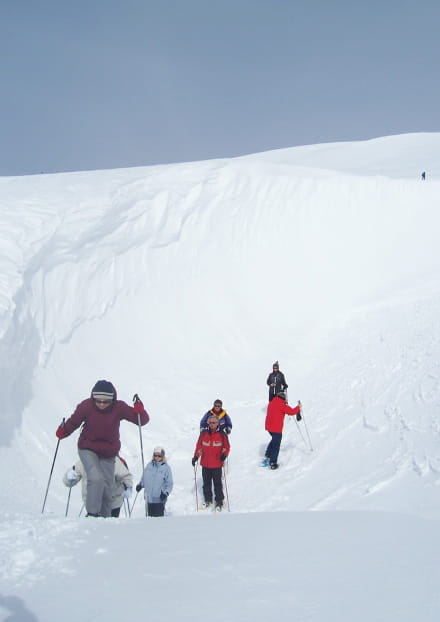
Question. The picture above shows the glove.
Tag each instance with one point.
(194, 460)
(138, 407)
(163, 496)
(139, 487)
(128, 492)
(61, 432)
(227, 430)
(298, 417)
(223, 457)
(72, 475)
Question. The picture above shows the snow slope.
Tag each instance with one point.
(184, 283)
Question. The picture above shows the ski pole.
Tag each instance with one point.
(195, 486)
(68, 501)
(51, 471)
(132, 505)
(226, 488)
(136, 398)
(300, 433)
(126, 505)
(81, 510)
(305, 425)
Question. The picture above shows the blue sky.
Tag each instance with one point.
(106, 84)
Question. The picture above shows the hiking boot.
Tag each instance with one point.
(265, 462)
(274, 466)
(206, 504)
(91, 514)
(218, 507)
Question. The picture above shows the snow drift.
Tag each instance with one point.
(185, 282)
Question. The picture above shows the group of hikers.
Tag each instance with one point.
(104, 474)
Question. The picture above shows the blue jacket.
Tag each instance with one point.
(224, 421)
(157, 478)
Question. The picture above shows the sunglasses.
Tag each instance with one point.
(157, 455)
(103, 401)
(212, 422)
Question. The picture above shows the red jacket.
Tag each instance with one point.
(100, 431)
(276, 410)
(211, 445)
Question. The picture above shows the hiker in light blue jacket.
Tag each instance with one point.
(157, 480)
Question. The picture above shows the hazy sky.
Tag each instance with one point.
(88, 84)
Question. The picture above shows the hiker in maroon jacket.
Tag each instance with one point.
(99, 442)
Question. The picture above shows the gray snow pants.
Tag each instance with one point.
(100, 476)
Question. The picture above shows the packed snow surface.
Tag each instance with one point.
(184, 283)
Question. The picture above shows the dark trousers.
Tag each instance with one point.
(273, 449)
(155, 509)
(212, 476)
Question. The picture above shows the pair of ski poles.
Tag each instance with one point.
(226, 487)
(305, 426)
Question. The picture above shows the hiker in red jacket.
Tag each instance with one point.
(276, 410)
(213, 446)
(99, 442)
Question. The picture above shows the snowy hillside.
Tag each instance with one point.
(184, 283)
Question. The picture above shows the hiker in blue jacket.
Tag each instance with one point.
(224, 420)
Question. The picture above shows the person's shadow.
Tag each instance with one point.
(16, 610)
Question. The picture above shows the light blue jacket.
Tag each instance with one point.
(157, 478)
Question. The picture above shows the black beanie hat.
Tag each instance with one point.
(103, 390)
(281, 394)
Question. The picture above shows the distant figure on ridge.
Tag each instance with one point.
(99, 443)
(225, 423)
(276, 381)
(423, 175)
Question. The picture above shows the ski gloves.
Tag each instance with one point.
(61, 432)
(163, 496)
(298, 417)
(194, 460)
(138, 407)
(139, 487)
(128, 492)
(71, 475)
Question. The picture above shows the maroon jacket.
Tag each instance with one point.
(100, 431)
(276, 410)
